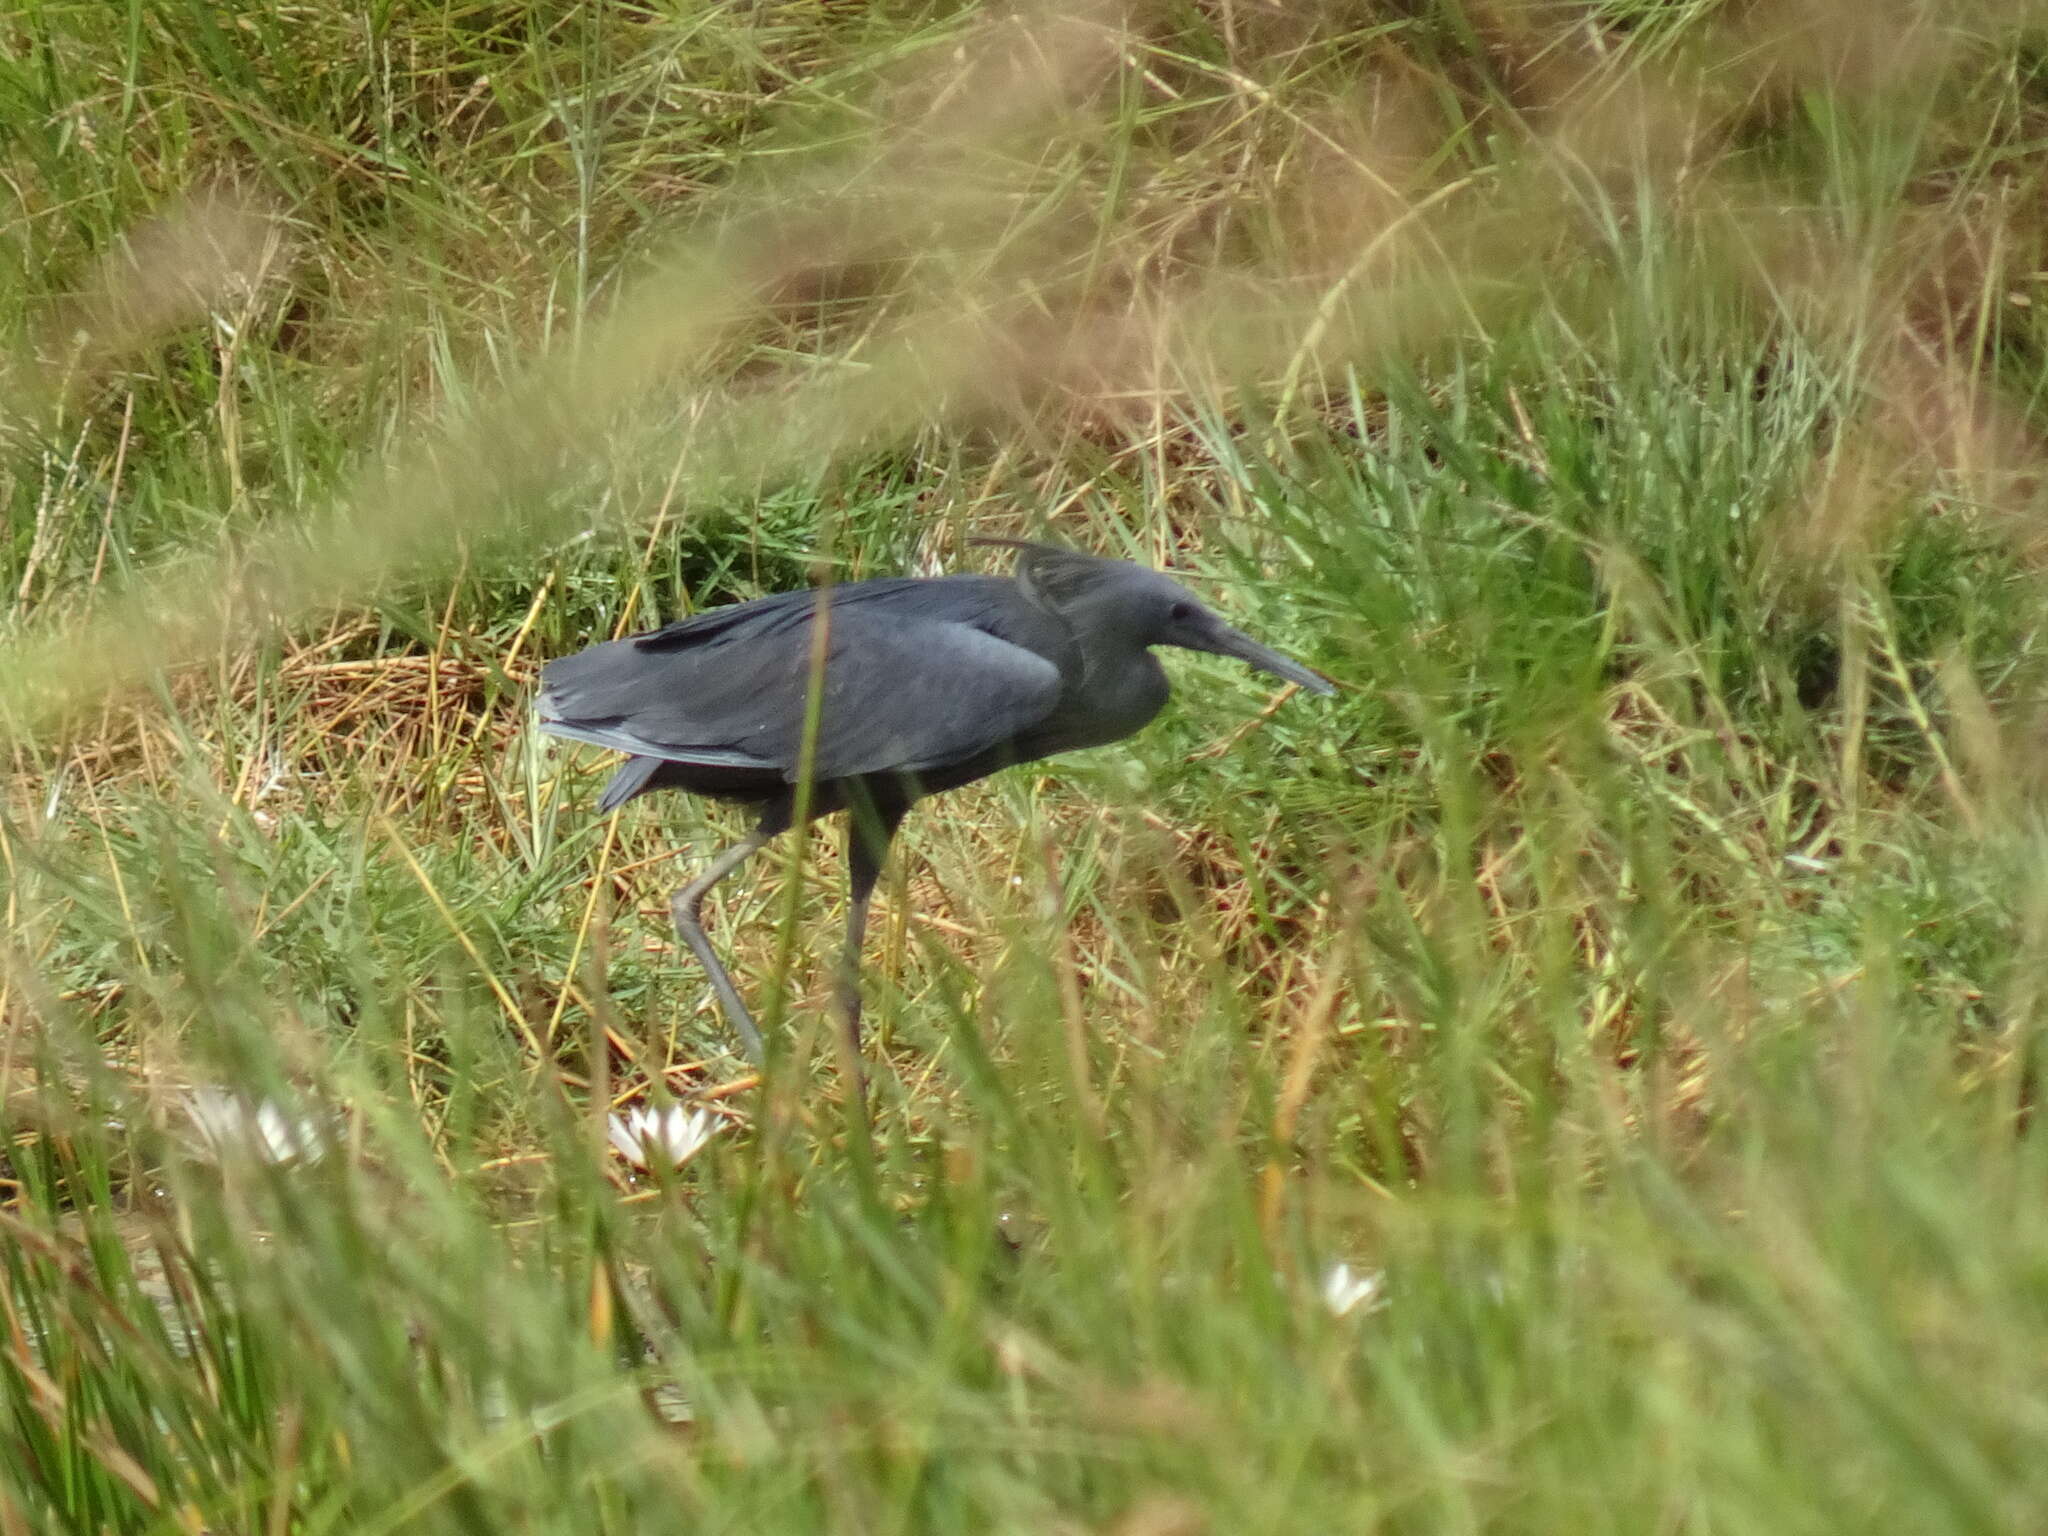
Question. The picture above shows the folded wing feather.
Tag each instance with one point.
(900, 694)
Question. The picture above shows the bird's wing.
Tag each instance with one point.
(901, 694)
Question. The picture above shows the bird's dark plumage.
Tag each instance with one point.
(926, 685)
(918, 675)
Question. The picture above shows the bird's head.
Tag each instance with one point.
(1141, 606)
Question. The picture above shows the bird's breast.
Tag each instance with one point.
(1104, 704)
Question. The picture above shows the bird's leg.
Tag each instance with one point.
(871, 821)
(687, 907)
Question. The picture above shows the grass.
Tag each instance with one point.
(1635, 967)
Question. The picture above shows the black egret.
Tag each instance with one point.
(927, 684)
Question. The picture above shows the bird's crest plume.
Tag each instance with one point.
(1052, 576)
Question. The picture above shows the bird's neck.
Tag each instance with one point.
(1122, 687)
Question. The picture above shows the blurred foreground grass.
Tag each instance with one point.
(1636, 971)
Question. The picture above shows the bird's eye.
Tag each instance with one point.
(1180, 613)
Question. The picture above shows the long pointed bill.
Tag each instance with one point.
(1225, 641)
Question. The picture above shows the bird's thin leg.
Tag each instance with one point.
(686, 907)
(871, 821)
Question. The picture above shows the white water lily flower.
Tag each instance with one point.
(230, 1125)
(651, 1137)
(1347, 1290)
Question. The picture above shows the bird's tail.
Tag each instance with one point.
(631, 779)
